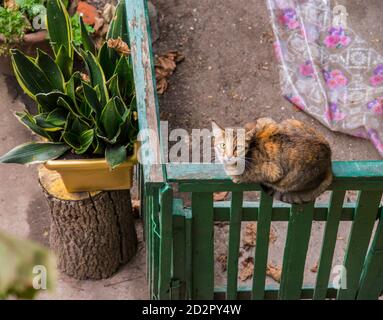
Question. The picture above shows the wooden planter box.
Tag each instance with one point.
(179, 240)
(84, 175)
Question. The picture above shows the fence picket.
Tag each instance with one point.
(203, 246)
(371, 285)
(234, 242)
(262, 246)
(298, 236)
(328, 244)
(366, 214)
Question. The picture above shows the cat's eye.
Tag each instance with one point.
(222, 145)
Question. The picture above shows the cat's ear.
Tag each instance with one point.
(217, 130)
(249, 135)
(250, 129)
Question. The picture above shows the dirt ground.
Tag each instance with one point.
(229, 75)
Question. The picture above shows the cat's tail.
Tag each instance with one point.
(306, 195)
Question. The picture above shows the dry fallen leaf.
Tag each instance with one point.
(247, 269)
(10, 4)
(220, 196)
(165, 66)
(222, 259)
(162, 85)
(119, 45)
(249, 236)
(108, 12)
(98, 24)
(314, 269)
(274, 272)
(166, 63)
(84, 77)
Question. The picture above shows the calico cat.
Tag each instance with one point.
(291, 161)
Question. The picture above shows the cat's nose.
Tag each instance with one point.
(230, 159)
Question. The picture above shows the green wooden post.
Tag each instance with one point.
(262, 246)
(155, 241)
(328, 244)
(179, 251)
(371, 284)
(166, 227)
(366, 214)
(203, 246)
(189, 254)
(298, 236)
(149, 236)
(234, 242)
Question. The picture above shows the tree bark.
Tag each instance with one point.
(92, 233)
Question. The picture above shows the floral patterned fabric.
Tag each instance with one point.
(327, 70)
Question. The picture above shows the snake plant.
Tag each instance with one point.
(88, 111)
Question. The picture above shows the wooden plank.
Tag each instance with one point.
(358, 242)
(262, 247)
(227, 185)
(188, 253)
(148, 233)
(328, 244)
(280, 211)
(234, 242)
(298, 236)
(371, 285)
(271, 293)
(166, 227)
(179, 251)
(203, 246)
(146, 95)
(345, 170)
(154, 243)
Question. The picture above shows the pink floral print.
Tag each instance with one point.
(333, 113)
(336, 38)
(306, 69)
(323, 68)
(360, 133)
(335, 79)
(278, 50)
(288, 18)
(376, 106)
(374, 136)
(296, 100)
(377, 78)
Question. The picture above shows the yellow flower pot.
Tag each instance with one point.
(94, 174)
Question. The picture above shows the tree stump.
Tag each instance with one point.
(92, 233)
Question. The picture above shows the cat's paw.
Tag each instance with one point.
(236, 179)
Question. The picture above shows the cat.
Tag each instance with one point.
(290, 160)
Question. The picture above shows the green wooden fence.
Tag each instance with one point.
(179, 239)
